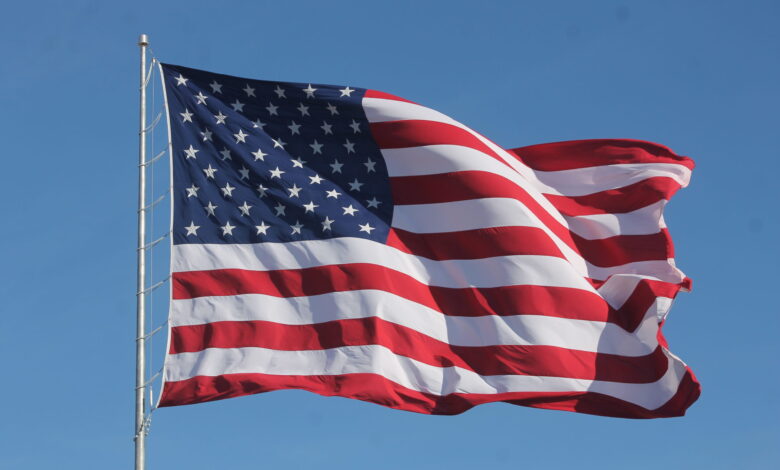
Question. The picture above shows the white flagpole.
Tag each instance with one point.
(140, 340)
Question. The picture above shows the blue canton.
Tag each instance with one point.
(259, 161)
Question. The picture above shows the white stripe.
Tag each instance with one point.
(523, 330)
(407, 372)
(644, 221)
(583, 181)
(383, 110)
(488, 272)
(472, 214)
(438, 159)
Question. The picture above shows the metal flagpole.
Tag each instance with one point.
(140, 340)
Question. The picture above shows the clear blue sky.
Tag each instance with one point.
(701, 77)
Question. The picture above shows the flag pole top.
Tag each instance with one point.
(143, 40)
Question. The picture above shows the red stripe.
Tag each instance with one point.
(534, 360)
(561, 302)
(588, 153)
(469, 185)
(377, 389)
(475, 244)
(384, 96)
(617, 201)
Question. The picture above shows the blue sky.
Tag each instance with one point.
(701, 77)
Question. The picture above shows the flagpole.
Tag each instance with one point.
(140, 340)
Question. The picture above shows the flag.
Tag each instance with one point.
(349, 242)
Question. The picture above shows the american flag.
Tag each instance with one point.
(349, 242)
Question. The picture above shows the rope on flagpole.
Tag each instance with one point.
(151, 66)
(151, 379)
(155, 286)
(154, 159)
(150, 338)
(151, 126)
(155, 331)
(157, 201)
(153, 243)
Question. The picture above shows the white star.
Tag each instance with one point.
(210, 172)
(294, 190)
(192, 229)
(206, 135)
(201, 98)
(259, 155)
(370, 165)
(279, 92)
(277, 173)
(192, 191)
(310, 206)
(272, 109)
(244, 208)
(249, 90)
(180, 80)
(350, 146)
(296, 228)
(349, 210)
(258, 124)
(238, 106)
(220, 118)
(227, 191)
(336, 166)
(294, 128)
(315, 179)
(355, 126)
(298, 163)
(326, 223)
(309, 91)
(261, 189)
(186, 116)
(279, 143)
(262, 228)
(191, 152)
(326, 128)
(303, 109)
(279, 209)
(210, 209)
(225, 154)
(373, 203)
(366, 228)
(240, 137)
(355, 185)
(244, 173)
(216, 87)
(332, 109)
(346, 92)
(316, 147)
(333, 193)
(227, 229)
